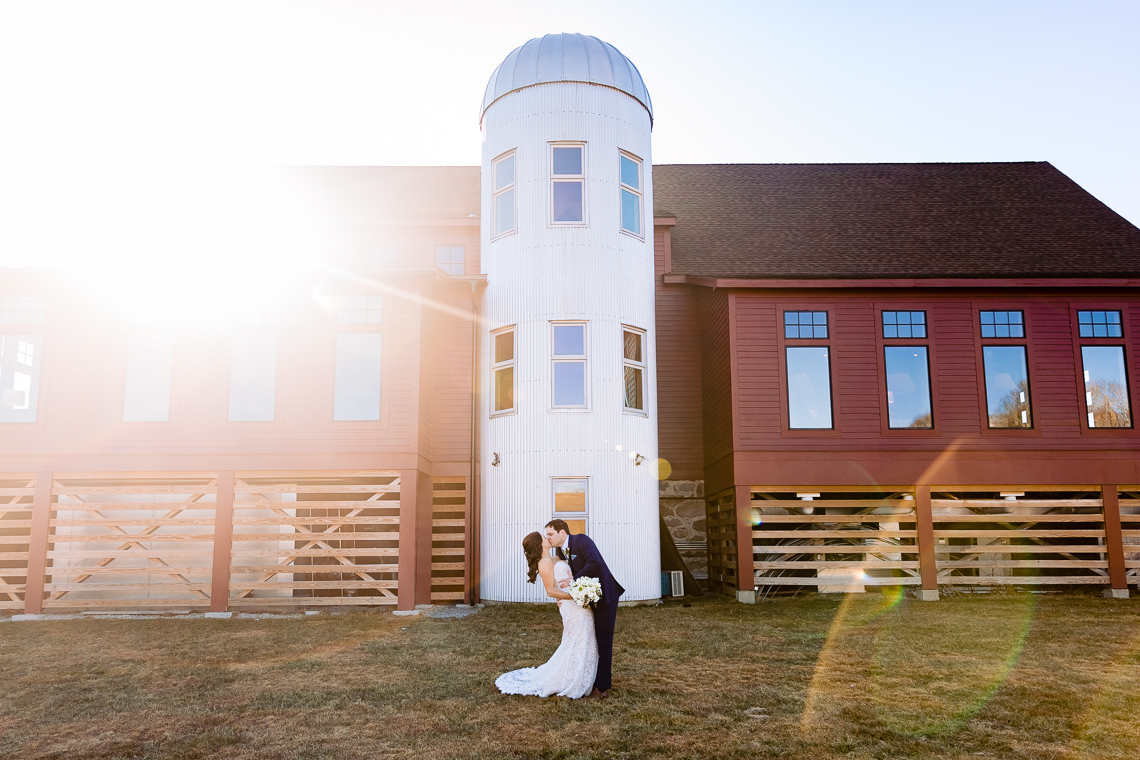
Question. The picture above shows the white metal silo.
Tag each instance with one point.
(567, 247)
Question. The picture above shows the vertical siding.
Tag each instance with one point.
(594, 273)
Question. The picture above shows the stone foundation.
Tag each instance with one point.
(683, 508)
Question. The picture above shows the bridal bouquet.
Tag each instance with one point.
(585, 591)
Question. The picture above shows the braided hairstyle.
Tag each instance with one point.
(532, 548)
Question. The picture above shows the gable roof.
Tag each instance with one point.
(861, 221)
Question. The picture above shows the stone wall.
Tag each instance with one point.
(683, 507)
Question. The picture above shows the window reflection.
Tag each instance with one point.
(809, 387)
(1007, 387)
(908, 387)
(1106, 387)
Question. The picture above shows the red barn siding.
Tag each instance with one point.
(680, 429)
(716, 379)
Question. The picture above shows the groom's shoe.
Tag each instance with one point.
(597, 694)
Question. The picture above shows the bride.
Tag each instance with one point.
(571, 669)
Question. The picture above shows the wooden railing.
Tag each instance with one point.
(221, 541)
(723, 554)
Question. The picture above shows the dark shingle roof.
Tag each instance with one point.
(859, 221)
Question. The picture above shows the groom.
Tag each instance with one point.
(586, 562)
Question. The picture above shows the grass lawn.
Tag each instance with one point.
(812, 677)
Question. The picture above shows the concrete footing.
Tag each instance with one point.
(926, 595)
(1115, 593)
(746, 597)
(221, 615)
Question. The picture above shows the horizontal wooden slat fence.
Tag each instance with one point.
(318, 540)
(449, 540)
(835, 541)
(130, 542)
(16, 493)
(721, 515)
(1039, 538)
(1130, 528)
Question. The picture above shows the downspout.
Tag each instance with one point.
(473, 527)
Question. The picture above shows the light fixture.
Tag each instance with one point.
(637, 460)
(495, 461)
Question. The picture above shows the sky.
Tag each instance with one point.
(127, 126)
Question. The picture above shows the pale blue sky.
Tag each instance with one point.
(111, 106)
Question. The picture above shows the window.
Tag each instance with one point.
(449, 258)
(253, 377)
(567, 184)
(1099, 324)
(569, 360)
(809, 387)
(633, 342)
(630, 194)
(1002, 324)
(360, 310)
(570, 503)
(357, 386)
(1007, 386)
(503, 368)
(1106, 387)
(908, 387)
(20, 360)
(150, 364)
(22, 311)
(504, 194)
(805, 324)
(904, 324)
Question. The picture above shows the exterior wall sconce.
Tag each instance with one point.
(637, 460)
(495, 461)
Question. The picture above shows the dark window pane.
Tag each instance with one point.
(633, 393)
(1007, 387)
(569, 340)
(809, 388)
(568, 160)
(1106, 387)
(569, 383)
(632, 343)
(504, 346)
(568, 202)
(908, 387)
(504, 389)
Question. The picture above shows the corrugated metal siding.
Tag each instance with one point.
(596, 274)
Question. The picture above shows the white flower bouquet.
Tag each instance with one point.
(585, 591)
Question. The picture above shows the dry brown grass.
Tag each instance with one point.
(817, 677)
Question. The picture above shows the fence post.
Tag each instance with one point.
(745, 561)
(223, 542)
(924, 530)
(1114, 543)
(38, 545)
(406, 576)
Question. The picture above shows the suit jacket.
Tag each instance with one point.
(586, 562)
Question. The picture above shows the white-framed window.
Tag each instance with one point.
(449, 258)
(360, 310)
(22, 310)
(630, 193)
(253, 377)
(150, 368)
(568, 183)
(20, 360)
(503, 370)
(568, 356)
(633, 358)
(356, 393)
(571, 502)
(503, 198)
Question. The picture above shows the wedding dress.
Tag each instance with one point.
(570, 671)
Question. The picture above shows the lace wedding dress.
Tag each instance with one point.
(571, 669)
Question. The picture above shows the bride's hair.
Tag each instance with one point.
(532, 548)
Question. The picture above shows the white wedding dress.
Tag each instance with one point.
(570, 671)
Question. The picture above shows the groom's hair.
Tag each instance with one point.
(559, 525)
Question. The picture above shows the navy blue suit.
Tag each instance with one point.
(586, 562)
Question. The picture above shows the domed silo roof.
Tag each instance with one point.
(566, 58)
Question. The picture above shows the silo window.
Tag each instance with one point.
(504, 194)
(569, 364)
(570, 502)
(630, 194)
(633, 342)
(567, 184)
(503, 368)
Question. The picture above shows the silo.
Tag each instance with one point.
(569, 408)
